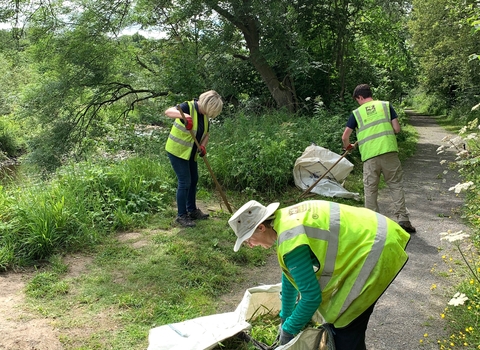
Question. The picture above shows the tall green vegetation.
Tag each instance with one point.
(443, 40)
(76, 208)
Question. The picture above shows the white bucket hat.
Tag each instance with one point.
(247, 218)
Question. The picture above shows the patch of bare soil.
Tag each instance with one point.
(407, 311)
(21, 330)
(24, 330)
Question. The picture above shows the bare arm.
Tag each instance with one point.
(346, 137)
(396, 126)
(174, 113)
(205, 139)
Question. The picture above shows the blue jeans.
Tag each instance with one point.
(187, 176)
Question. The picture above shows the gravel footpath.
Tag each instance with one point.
(407, 316)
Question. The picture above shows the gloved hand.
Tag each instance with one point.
(189, 122)
(285, 337)
(202, 151)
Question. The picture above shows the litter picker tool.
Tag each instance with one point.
(307, 191)
(219, 188)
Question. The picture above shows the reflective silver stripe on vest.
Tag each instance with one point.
(369, 264)
(331, 236)
(386, 111)
(380, 134)
(180, 141)
(359, 119)
(331, 256)
(180, 126)
(377, 122)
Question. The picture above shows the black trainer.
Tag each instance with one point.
(185, 221)
(197, 215)
(407, 226)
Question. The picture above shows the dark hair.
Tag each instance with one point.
(362, 90)
(268, 223)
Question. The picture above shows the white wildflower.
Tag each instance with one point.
(461, 186)
(463, 130)
(446, 138)
(471, 136)
(445, 172)
(457, 142)
(443, 161)
(308, 98)
(458, 299)
(453, 237)
(473, 124)
(440, 149)
(462, 154)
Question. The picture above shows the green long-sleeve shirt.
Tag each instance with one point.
(300, 263)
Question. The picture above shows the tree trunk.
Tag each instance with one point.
(249, 26)
(280, 92)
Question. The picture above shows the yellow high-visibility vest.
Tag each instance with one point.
(360, 252)
(375, 133)
(180, 141)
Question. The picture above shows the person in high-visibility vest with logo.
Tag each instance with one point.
(182, 150)
(335, 258)
(376, 124)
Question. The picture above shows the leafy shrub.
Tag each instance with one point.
(81, 203)
(9, 144)
(259, 153)
(429, 104)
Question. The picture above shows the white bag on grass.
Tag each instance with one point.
(204, 333)
(314, 162)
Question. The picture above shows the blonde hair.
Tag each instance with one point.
(210, 103)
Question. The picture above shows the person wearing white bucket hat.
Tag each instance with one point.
(335, 258)
(245, 221)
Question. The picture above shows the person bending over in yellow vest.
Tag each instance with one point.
(376, 124)
(182, 150)
(336, 258)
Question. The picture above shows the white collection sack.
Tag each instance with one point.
(204, 333)
(314, 163)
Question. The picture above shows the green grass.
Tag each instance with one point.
(134, 282)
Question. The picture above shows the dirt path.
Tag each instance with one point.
(412, 305)
(403, 315)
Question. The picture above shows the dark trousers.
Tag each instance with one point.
(187, 176)
(352, 337)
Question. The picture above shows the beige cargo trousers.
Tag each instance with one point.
(389, 165)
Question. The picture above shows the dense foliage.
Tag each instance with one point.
(446, 45)
(71, 69)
